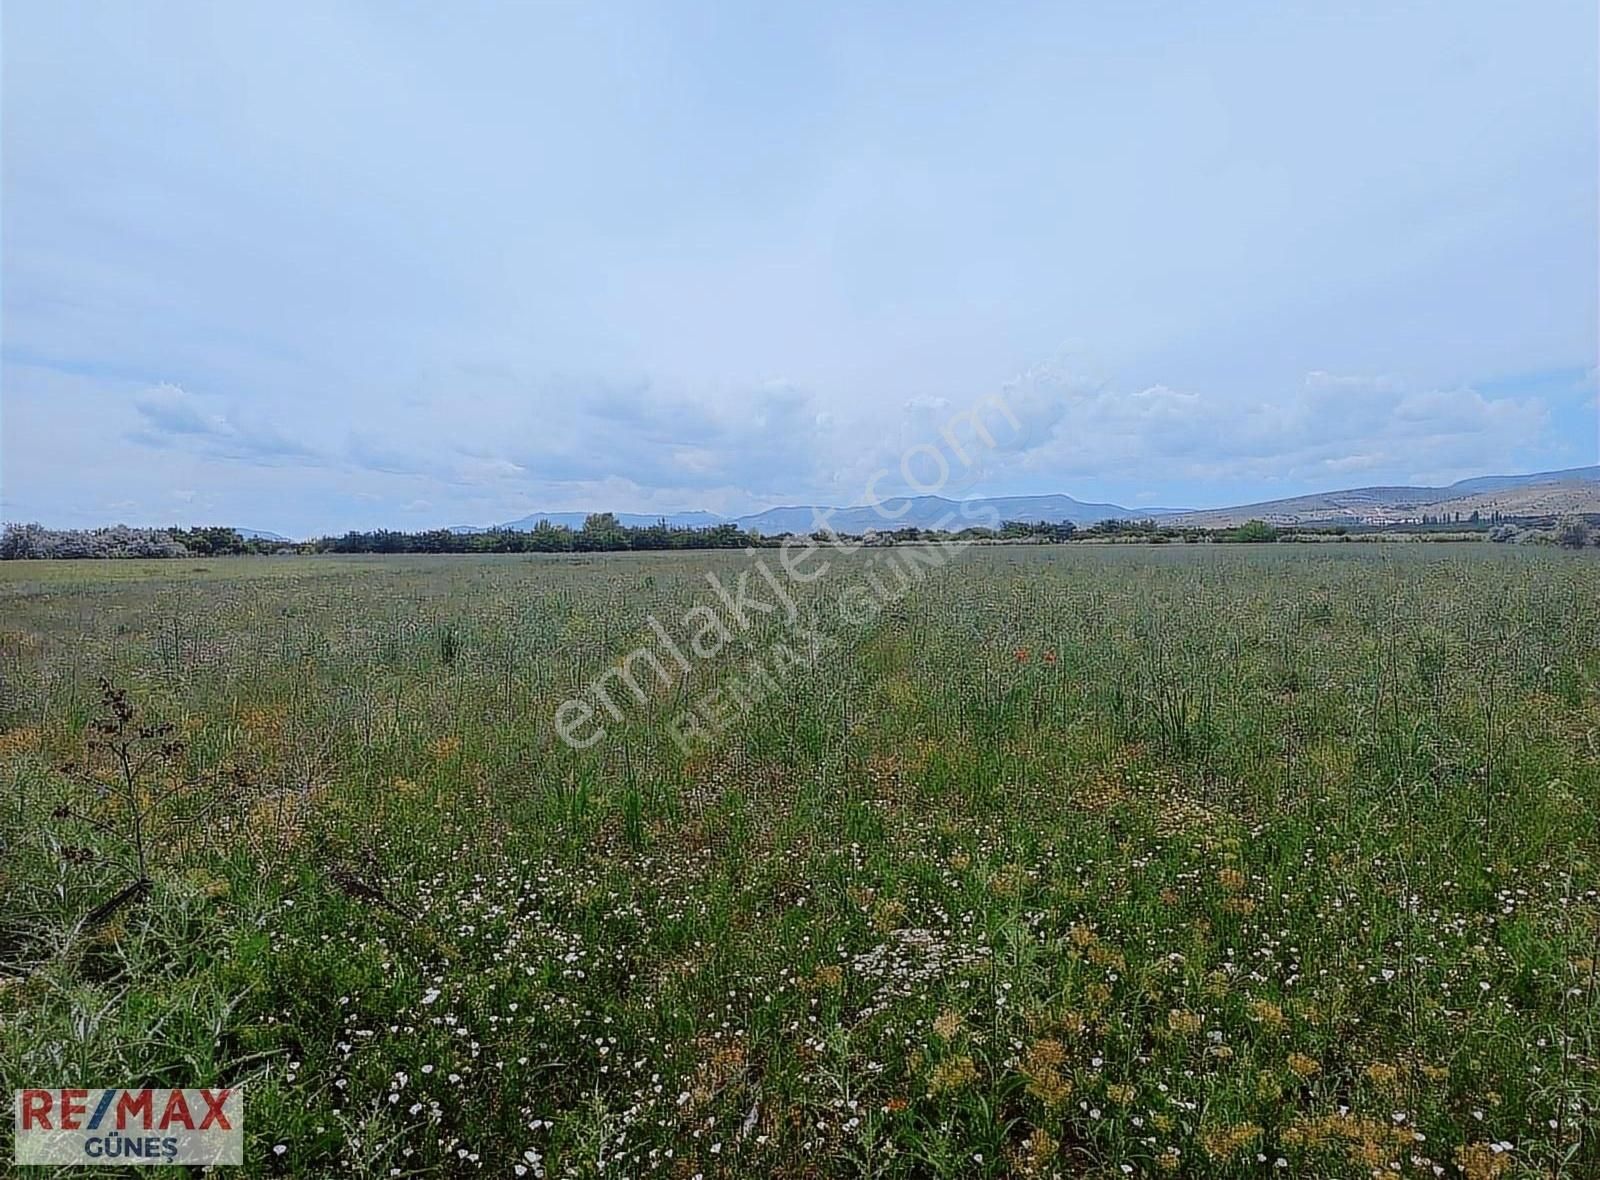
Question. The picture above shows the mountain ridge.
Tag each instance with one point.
(1572, 489)
(1568, 489)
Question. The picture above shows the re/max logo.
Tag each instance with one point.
(81, 1126)
(69, 1107)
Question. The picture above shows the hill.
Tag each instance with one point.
(634, 520)
(1575, 489)
(926, 512)
(1542, 493)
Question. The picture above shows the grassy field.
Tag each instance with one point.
(1195, 861)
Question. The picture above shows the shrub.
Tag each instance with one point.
(1254, 532)
(1572, 532)
(35, 541)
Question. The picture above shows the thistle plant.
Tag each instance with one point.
(128, 777)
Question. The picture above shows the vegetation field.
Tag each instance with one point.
(1081, 861)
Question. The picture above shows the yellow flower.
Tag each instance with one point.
(1383, 1075)
(1097, 995)
(1267, 1014)
(1105, 956)
(827, 976)
(1223, 1143)
(1481, 1161)
(947, 1024)
(1038, 1149)
(1009, 881)
(888, 915)
(1185, 1023)
(1046, 1053)
(1042, 1067)
(952, 1074)
(1306, 1067)
(18, 741)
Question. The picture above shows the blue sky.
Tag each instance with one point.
(306, 267)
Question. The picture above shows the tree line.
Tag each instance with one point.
(602, 532)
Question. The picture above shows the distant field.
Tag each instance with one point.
(1079, 861)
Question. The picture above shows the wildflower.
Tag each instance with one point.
(1038, 1149)
(1050, 658)
(1305, 1067)
(1042, 1068)
(17, 741)
(1384, 1076)
(1071, 1022)
(1267, 1014)
(828, 976)
(947, 1024)
(1185, 1023)
(1008, 881)
(1021, 655)
(1223, 1143)
(1231, 879)
(888, 915)
(952, 1074)
(1483, 1161)
(1104, 956)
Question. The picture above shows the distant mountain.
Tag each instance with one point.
(925, 512)
(1542, 493)
(1576, 489)
(1496, 483)
(635, 520)
(912, 512)
(260, 535)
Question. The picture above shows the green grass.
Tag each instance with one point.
(1078, 861)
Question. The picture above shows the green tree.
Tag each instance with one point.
(1254, 532)
(1572, 532)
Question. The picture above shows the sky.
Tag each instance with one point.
(310, 267)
